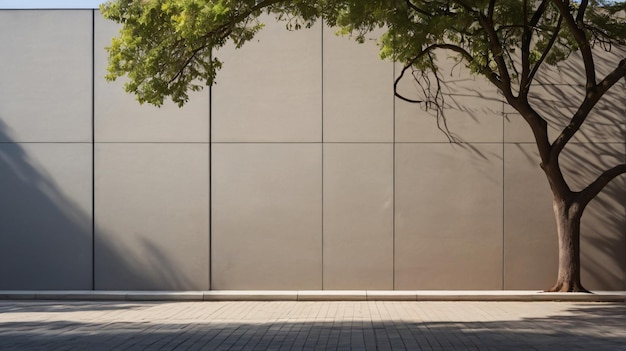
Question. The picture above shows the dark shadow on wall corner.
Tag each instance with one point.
(46, 226)
(584, 327)
(46, 237)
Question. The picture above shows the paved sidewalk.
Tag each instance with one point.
(291, 325)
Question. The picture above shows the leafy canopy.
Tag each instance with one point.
(166, 47)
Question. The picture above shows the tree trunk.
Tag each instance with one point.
(568, 217)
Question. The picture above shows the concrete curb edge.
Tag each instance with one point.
(312, 295)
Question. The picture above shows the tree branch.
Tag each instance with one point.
(526, 37)
(184, 65)
(527, 80)
(417, 9)
(527, 74)
(537, 15)
(492, 6)
(537, 124)
(581, 11)
(437, 100)
(397, 81)
(593, 189)
(493, 78)
(224, 31)
(591, 99)
(577, 28)
(495, 46)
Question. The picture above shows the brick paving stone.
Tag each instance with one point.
(290, 325)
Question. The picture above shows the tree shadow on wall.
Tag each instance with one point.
(46, 225)
(599, 145)
(471, 113)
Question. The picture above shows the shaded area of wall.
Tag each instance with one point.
(144, 219)
(45, 154)
(45, 215)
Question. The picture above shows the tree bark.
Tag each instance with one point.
(568, 214)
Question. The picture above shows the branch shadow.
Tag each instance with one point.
(599, 145)
(473, 109)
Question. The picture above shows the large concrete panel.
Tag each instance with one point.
(358, 216)
(472, 107)
(530, 246)
(152, 208)
(267, 216)
(270, 89)
(358, 90)
(531, 249)
(46, 70)
(516, 130)
(448, 216)
(45, 216)
(120, 118)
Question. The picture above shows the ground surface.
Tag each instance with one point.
(49, 325)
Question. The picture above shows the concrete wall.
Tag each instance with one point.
(298, 170)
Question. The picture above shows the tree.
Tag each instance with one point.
(166, 49)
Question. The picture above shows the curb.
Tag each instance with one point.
(312, 295)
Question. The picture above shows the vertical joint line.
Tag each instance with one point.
(93, 149)
(322, 135)
(393, 182)
(210, 261)
(503, 198)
